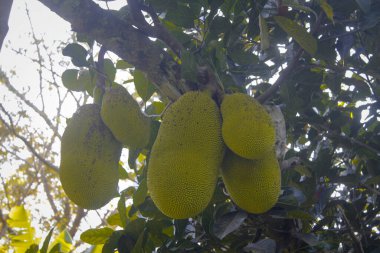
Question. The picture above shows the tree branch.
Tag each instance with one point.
(43, 115)
(5, 9)
(122, 38)
(78, 218)
(357, 243)
(11, 128)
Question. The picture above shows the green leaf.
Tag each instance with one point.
(264, 35)
(110, 71)
(56, 248)
(24, 236)
(70, 80)
(45, 245)
(135, 227)
(294, 4)
(18, 218)
(228, 223)
(139, 245)
(327, 9)
(303, 170)
(81, 37)
(114, 219)
(94, 249)
(182, 16)
(112, 242)
(364, 5)
(263, 246)
(96, 236)
(77, 53)
(132, 156)
(122, 210)
(141, 193)
(87, 79)
(309, 238)
(188, 66)
(33, 249)
(65, 241)
(299, 214)
(144, 87)
(299, 33)
(121, 64)
(373, 180)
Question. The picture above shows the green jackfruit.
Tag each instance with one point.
(247, 127)
(185, 158)
(89, 159)
(122, 114)
(254, 185)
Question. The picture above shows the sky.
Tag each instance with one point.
(22, 73)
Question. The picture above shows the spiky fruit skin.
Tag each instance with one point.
(254, 185)
(122, 115)
(89, 159)
(247, 127)
(186, 156)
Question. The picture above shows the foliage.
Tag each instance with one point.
(317, 60)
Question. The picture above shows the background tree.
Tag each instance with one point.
(316, 60)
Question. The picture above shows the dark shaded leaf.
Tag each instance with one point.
(310, 239)
(262, 246)
(112, 242)
(188, 66)
(122, 209)
(77, 53)
(299, 33)
(141, 193)
(228, 223)
(45, 245)
(32, 249)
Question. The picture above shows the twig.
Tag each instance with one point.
(37, 42)
(11, 127)
(31, 105)
(48, 194)
(332, 135)
(357, 242)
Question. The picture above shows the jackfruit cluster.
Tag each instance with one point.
(122, 115)
(89, 159)
(189, 150)
(186, 156)
(250, 169)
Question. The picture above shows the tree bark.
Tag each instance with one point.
(120, 37)
(5, 9)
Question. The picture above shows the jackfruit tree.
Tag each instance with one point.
(202, 126)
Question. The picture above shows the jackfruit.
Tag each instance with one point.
(254, 185)
(247, 127)
(122, 115)
(89, 159)
(186, 156)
